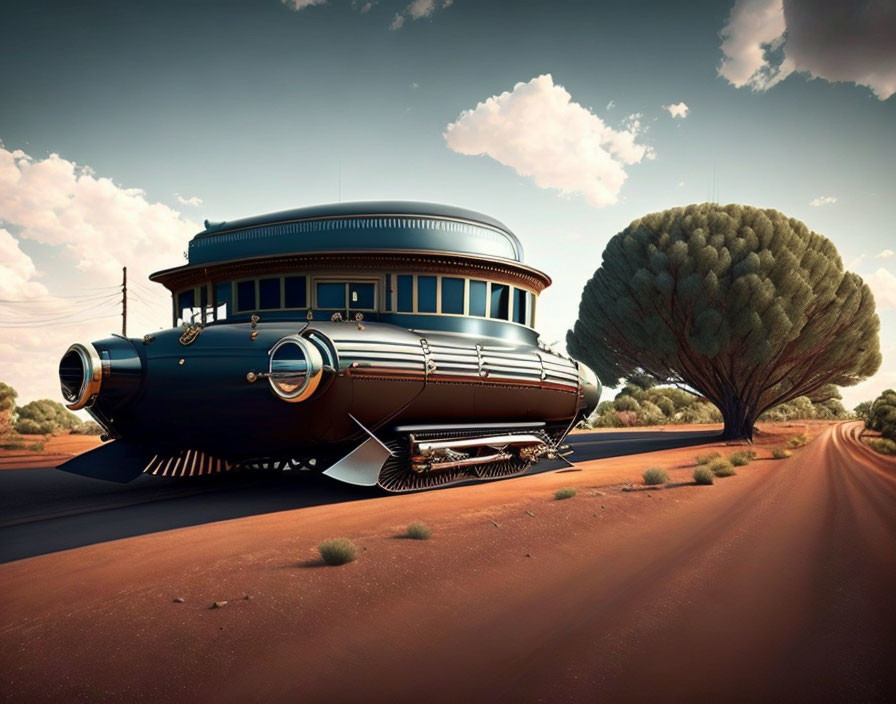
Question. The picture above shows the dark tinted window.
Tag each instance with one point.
(222, 300)
(360, 296)
(477, 297)
(452, 295)
(184, 301)
(331, 296)
(405, 294)
(388, 292)
(519, 306)
(426, 294)
(245, 295)
(500, 301)
(294, 292)
(269, 293)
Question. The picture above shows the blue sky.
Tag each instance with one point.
(251, 107)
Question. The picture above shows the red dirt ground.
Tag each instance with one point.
(56, 450)
(773, 584)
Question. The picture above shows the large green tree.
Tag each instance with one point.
(746, 306)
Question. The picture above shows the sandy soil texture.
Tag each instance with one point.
(55, 450)
(773, 584)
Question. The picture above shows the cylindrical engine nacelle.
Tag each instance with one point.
(110, 368)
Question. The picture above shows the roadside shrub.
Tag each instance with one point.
(706, 459)
(36, 447)
(655, 475)
(566, 492)
(885, 446)
(88, 427)
(14, 443)
(337, 551)
(418, 531)
(721, 468)
(798, 440)
(742, 458)
(781, 453)
(702, 475)
(45, 417)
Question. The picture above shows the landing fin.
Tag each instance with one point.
(116, 461)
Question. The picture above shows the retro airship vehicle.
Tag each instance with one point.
(382, 343)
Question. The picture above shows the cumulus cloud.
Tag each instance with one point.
(767, 40)
(679, 110)
(822, 200)
(883, 285)
(886, 254)
(195, 200)
(302, 4)
(418, 9)
(101, 226)
(89, 228)
(538, 131)
(17, 271)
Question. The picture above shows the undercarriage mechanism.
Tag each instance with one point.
(429, 460)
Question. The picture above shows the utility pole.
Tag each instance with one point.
(124, 301)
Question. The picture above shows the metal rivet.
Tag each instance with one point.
(251, 377)
(181, 361)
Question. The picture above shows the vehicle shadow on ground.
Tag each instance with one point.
(46, 510)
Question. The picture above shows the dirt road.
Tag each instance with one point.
(776, 584)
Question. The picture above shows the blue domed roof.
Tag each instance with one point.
(361, 226)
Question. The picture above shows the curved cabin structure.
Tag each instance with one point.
(386, 343)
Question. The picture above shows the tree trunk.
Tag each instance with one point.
(738, 418)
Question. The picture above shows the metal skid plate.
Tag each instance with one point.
(362, 465)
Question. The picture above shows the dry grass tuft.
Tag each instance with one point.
(337, 551)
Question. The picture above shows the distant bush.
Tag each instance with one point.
(36, 447)
(418, 531)
(45, 417)
(780, 453)
(882, 415)
(721, 468)
(798, 440)
(706, 459)
(566, 492)
(742, 458)
(655, 475)
(337, 551)
(702, 475)
(885, 446)
(13, 443)
(88, 428)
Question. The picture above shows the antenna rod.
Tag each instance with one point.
(124, 301)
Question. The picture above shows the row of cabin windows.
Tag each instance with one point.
(404, 293)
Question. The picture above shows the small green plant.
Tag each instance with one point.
(702, 475)
(337, 551)
(721, 468)
(36, 447)
(798, 440)
(706, 459)
(566, 492)
(885, 446)
(418, 531)
(781, 453)
(655, 475)
(742, 458)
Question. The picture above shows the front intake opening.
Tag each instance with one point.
(72, 375)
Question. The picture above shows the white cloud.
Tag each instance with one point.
(17, 272)
(302, 4)
(883, 285)
(90, 228)
(822, 200)
(755, 28)
(195, 200)
(538, 131)
(886, 254)
(101, 226)
(418, 9)
(679, 110)
(767, 40)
